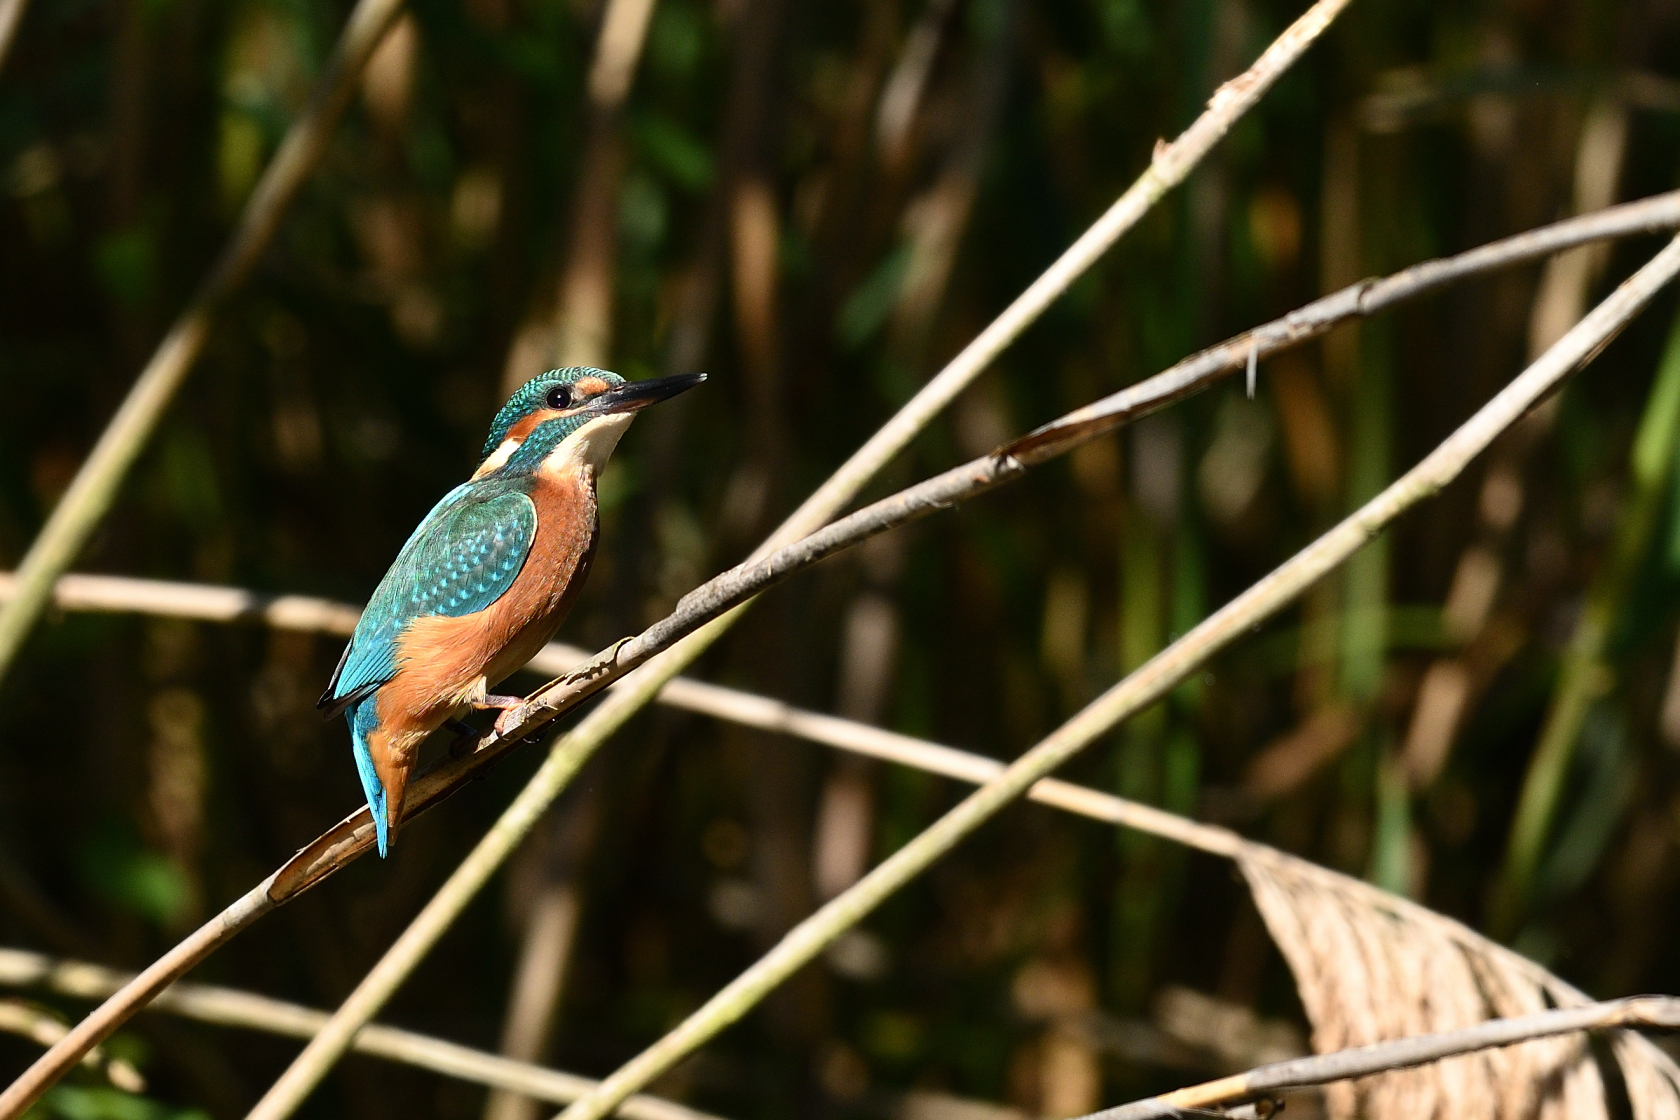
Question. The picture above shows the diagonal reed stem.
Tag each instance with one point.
(1171, 164)
(1586, 674)
(11, 15)
(1194, 373)
(1140, 689)
(1401, 1053)
(347, 840)
(96, 484)
(231, 1007)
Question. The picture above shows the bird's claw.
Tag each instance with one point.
(505, 726)
(505, 721)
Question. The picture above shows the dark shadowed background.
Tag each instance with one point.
(818, 203)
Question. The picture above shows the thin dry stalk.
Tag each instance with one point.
(11, 15)
(1143, 687)
(538, 980)
(95, 486)
(62, 1057)
(43, 1028)
(205, 602)
(1372, 967)
(701, 611)
(582, 336)
(1171, 164)
(583, 318)
(1404, 1053)
(1317, 898)
(231, 1007)
(354, 835)
(905, 88)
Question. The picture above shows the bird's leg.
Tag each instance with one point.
(507, 704)
(504, 722)
(479, 698)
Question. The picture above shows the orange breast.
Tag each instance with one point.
(441, 660)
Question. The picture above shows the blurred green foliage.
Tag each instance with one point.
(70, 1103)
(155, 769)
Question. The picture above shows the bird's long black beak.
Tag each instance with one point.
(632, 396)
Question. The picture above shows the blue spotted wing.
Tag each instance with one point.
(463, 557)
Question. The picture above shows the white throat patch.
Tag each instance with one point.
(588, 448)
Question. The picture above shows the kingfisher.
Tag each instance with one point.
(486, 579)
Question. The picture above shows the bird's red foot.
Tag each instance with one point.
(507, 704)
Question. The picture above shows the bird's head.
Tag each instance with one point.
(571, 415)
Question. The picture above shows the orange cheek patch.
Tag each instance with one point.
(525, 425)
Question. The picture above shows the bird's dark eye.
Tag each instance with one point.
(559, 397)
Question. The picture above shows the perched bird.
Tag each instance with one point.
(486, 579)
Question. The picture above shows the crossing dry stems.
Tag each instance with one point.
(353, 836)
(1403, 1053)
(1170, 165)
(1252, 354)
(700, 612)
(1143, 687)
(97, 481)
(232, 1007)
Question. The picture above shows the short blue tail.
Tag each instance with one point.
(363, 719)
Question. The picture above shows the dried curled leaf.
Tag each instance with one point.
(1371, 966)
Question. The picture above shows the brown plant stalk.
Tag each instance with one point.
(1401, 1053)
(11, 15)
(1171, 164)
(354, 835)
(231, 1007)
(1141, 688)
(95, 486)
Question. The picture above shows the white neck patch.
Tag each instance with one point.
(498, 458)
(588, 448)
